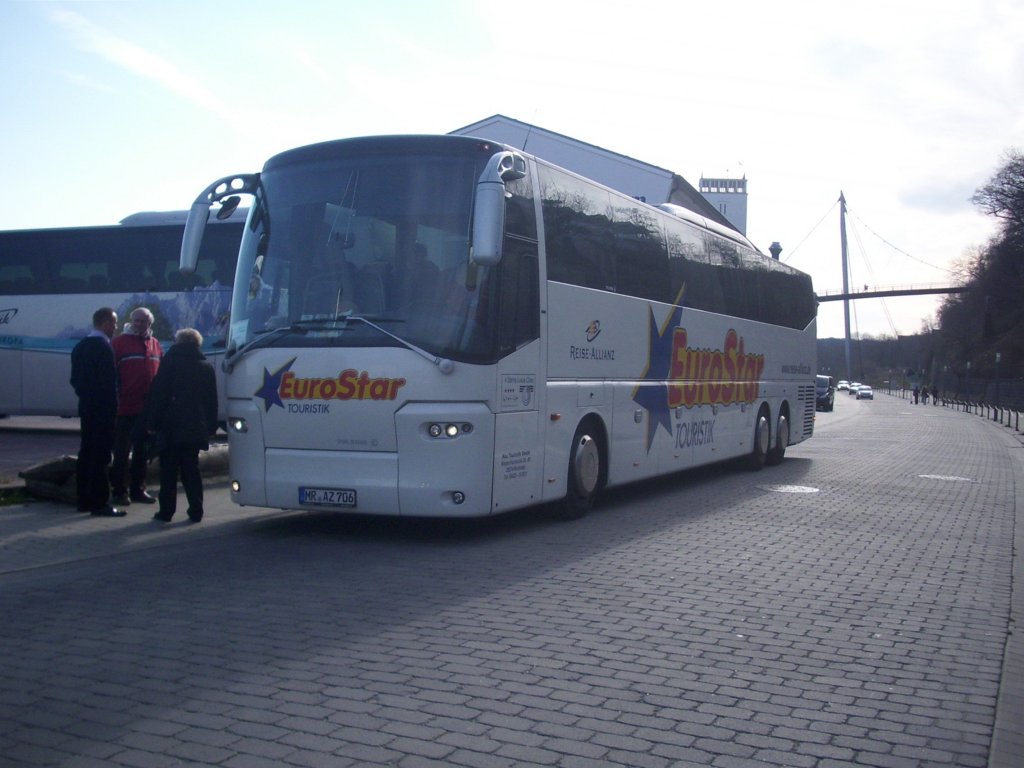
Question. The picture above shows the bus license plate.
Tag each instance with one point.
(328, 497)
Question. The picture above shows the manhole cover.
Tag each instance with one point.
(789, 488)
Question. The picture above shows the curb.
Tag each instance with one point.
(55, 479)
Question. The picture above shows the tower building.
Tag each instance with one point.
(729, 197)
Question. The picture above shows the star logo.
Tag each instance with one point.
(270, 391)
(651, 393)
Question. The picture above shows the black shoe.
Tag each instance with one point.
(195, 517)
(108, 511)
(121, 499)
(141, 497)
(163, 517)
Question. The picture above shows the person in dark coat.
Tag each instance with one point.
(94, 379)
(182, 412)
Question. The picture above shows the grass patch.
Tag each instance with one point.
(14, 495)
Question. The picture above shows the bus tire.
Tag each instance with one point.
(778, 452)
(762, 440)
(585, 471)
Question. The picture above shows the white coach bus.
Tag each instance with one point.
(52, 280)
(445, 326)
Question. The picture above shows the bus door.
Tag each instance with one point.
(518, 444)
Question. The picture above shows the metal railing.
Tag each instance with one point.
(1005, 415)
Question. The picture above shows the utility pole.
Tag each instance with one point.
(846, 278)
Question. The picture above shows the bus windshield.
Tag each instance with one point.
(383, 237)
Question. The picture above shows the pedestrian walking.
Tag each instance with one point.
(94, 379)
(917, 394)
(182, 414)
(137, 357)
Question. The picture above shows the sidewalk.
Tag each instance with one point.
(1007, 749)
(45, 533)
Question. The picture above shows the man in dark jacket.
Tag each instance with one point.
(94, 379)
(182, 412)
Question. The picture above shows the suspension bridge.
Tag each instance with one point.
(892, 290)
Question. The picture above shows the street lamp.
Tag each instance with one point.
(967, 386)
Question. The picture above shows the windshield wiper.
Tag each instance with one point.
(264, 338)
(443, 363)
(305, 326)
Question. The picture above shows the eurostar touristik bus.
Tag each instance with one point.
(52, 280)
(445, 326)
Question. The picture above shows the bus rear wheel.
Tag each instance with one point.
(585, 468)
(762, 439)
(778, 452)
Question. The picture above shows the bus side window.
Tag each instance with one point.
(577, 231)
(642, 264)
(520, 303)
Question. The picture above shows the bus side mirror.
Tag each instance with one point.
(195, 226)
(488, 222)
(489, 206)
(198, 214)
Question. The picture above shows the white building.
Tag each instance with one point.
(643, 181)
(729, 196)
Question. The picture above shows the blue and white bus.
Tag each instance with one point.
(52, 280)
(445, 326)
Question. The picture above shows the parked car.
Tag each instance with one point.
(824, 393)
(843, 385)
(864, 392)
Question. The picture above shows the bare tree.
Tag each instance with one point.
(1003, 196)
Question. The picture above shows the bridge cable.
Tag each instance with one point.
(813, 230)
(871, 274)
(896, 248)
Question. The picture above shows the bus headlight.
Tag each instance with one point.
(238, 425)
(449, 431)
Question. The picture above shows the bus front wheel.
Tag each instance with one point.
(584, 474)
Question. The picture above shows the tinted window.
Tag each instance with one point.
(577, 231)
(641, 265)
(128, 259)
(600, 239)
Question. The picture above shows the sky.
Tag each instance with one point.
(905, 107)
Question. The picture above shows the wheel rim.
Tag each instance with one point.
(783, 439)
(762, 435)
(587, 465)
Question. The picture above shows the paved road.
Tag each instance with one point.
(851, 607)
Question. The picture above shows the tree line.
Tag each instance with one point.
(976, 347)
(981, 331)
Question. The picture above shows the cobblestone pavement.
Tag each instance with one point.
(851, 607)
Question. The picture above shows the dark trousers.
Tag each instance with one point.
(183, 459)
(97, 440)
(128, 440)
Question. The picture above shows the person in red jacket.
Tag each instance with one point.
(137, 356)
